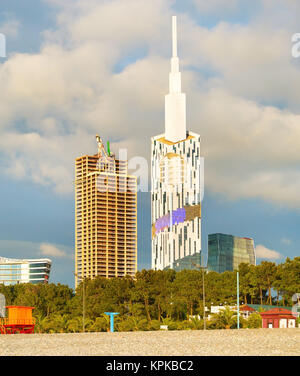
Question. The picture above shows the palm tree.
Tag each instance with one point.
(74, 325)
(59, 322)
(40, 322)
(196, 323)
(224, 319)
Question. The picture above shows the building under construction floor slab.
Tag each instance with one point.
(105, 217)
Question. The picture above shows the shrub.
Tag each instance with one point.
(126, 324)
(184, 325)
(254, 321)
(101, 324)
(197, 324)
(172, 325)
(154, 325)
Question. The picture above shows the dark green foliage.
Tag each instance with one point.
(254, 321)
(157, 298)
(225, 319)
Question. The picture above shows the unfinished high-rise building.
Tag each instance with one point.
(105, 216)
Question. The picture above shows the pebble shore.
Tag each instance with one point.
(157, 343)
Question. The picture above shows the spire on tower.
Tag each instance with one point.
(175, 75)
(175, 103)
(174, 35)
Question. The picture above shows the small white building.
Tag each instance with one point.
(13, 271)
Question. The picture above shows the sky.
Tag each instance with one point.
(75, 68)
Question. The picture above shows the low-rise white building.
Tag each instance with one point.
(13, 271)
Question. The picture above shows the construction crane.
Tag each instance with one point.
(101, 149)
(102, 152)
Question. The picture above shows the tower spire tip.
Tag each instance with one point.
(174, 35)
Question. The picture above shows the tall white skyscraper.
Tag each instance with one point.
(176, 177)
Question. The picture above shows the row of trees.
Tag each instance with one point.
(156, 297)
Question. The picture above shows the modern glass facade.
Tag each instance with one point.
(191, 262)
(14, 271)
(226, 252)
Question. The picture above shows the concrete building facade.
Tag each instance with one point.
(105, 217)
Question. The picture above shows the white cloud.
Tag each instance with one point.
(250, 150)
(53, 103)
(10, 26)
(62, 256)
(252, 61)
(265, 253)
(53, 251)
(26, 250)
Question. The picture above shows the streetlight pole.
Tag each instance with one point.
(83, 301)
(238, 299)
(203, 292)
(83, 305)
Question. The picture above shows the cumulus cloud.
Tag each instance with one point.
(249, 149)
(10, 26)
(62, 256)
(51, 250)
(104, 69)
(25, 249)
(265, 253)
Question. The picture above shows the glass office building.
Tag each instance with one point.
(14, 271)
(226, 252)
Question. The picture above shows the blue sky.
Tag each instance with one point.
(70, 74)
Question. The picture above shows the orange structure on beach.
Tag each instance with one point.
(19, 320)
